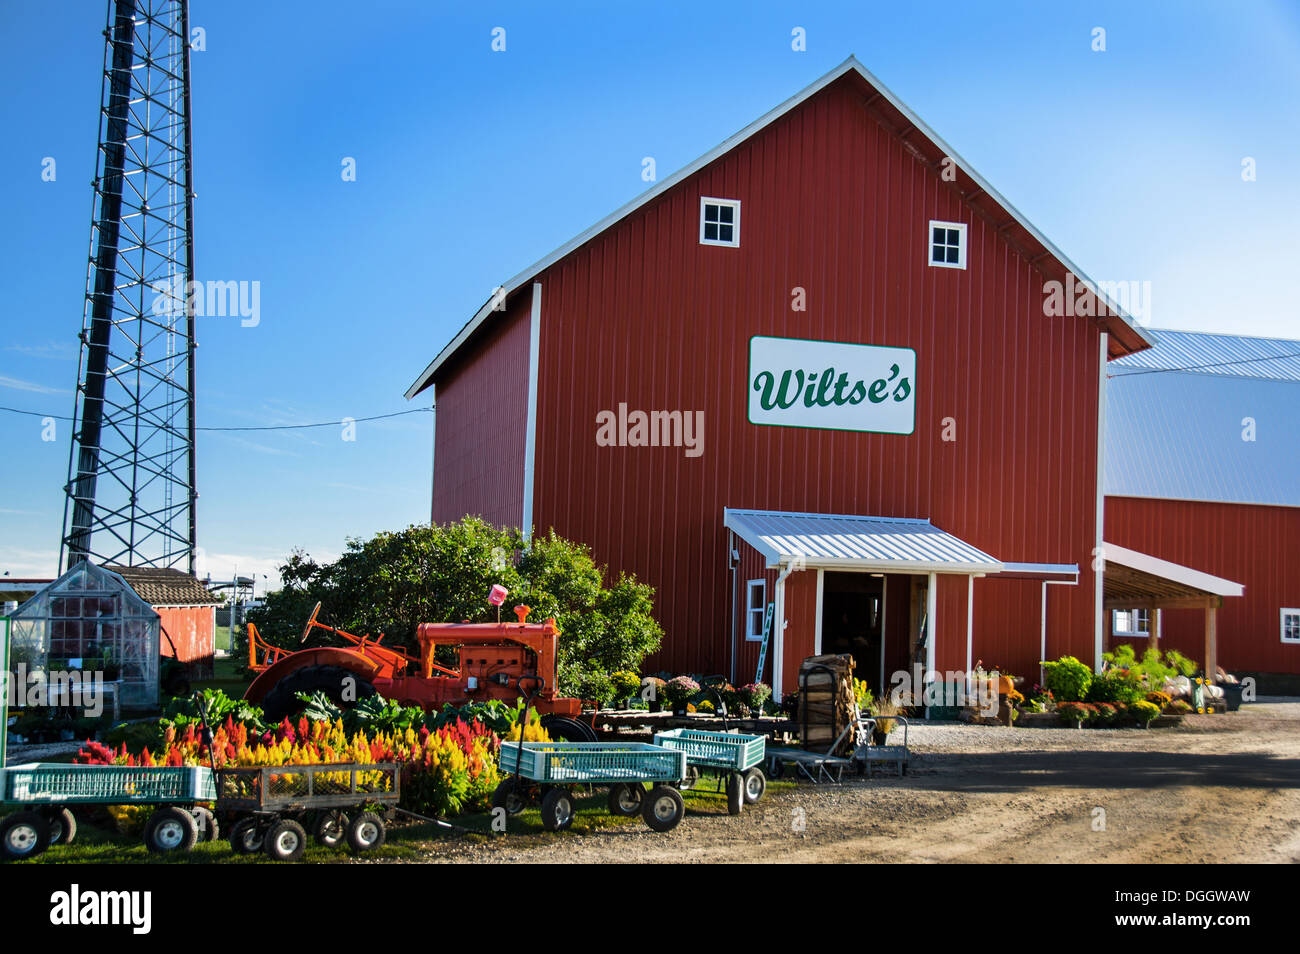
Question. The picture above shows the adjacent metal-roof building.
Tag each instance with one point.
(1202, 467)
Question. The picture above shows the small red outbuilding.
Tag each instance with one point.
(187, 611)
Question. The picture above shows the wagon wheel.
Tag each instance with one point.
(331, 829)
(63, 825)
(755, 785)
(367, 832)
(664, 808)
(625, 799)
(285, 841)
(510, 795)
(247, 837)
(23, 835)
(691, 779)
(557, 810)
(735, 793)
(206, 822)
(170, 829)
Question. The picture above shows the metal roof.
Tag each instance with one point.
(1276, 359)
(836, 541)
(1178, 434)
(1126, 327)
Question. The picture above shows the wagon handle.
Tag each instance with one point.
(206, 732)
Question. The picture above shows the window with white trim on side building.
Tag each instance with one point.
(755, 606)
(947, 242)
(1289, 625)
(1134, 622)
(720, 222)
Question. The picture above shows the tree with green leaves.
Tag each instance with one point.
(442, 573)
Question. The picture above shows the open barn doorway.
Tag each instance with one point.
(853, 621)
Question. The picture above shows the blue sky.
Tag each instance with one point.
(471, 164)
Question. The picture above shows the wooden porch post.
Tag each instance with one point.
(1211, 642)
(1157, 622)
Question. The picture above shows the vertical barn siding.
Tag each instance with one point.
(1257, 546)
(835, 203)
(193, 630)
(801, 631)
(482, 413)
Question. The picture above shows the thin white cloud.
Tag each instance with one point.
(17, 384)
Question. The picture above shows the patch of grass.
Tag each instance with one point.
(226, 677)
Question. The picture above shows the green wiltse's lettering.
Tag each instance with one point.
(827, 388)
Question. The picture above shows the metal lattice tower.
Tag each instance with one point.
(131, 469)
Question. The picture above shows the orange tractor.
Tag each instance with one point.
(499, 660)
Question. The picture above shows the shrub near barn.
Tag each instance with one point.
(443, 572)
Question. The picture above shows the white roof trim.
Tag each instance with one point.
(838, 541)
(1171, 571)
(1040, 570)
(851, 64)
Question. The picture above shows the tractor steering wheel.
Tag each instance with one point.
(306, 630)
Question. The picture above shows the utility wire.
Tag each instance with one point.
(263, 427)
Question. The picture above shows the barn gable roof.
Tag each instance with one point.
(158, 586)
(1205, 417)
(919, 138)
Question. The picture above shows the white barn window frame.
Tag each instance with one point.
(940, 237)
(1134, 623)
(1289, 625)
(719, 222)
(754, 610)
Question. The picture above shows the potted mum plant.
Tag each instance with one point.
(627, 686)
(1075, 712)
(679, 691)
(755, 695)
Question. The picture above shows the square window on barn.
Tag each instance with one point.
(1135, 622)
(720, 222)
(755, 606)
(1291, 625)
(947, 244)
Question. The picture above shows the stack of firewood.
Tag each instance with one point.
(826, 702)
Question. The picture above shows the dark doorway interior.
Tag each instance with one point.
(853, 617)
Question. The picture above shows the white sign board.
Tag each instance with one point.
(846, 387)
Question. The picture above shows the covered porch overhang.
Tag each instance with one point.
(794, 541)
(1133, 580)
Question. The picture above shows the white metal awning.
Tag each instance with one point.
(835, 541)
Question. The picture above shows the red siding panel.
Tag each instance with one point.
(193, 630)
(1257, 546)
(479, 436)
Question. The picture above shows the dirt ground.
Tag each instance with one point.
(1217, 788)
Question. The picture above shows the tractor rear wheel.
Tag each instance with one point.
(560, 727)
(282, 699)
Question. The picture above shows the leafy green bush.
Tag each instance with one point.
(1068, 679)
(1116, 685)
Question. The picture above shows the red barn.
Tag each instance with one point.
(813, 370)
(1202, 469)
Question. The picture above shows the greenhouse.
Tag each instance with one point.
(90, 620)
